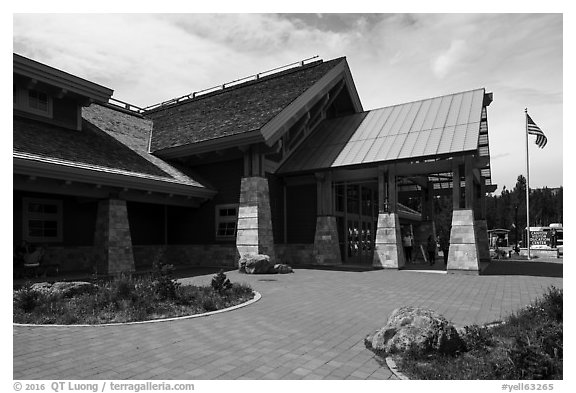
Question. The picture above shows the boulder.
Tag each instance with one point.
(44, 287)
(282, 268)
(63, 288)
(418, 329)
(256, 264)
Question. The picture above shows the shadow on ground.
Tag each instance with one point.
(184, 272)
(514, 268)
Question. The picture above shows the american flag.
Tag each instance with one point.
(533, 129)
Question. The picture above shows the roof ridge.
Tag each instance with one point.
(426, 99)
(248, 82)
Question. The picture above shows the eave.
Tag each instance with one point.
(75, 172)
(237, 140)
(51, 76)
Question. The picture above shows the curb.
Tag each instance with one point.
(257, 296)
(394, 368)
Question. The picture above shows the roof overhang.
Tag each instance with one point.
(237, 140)
(36, 166)
(276, 127)
(53, 77)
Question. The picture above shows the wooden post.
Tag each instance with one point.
(428, 205)
(324, 194)
(469, 188)
(382, 197)
(456, 185)
(256, 161)
(482, 198)
(392, 190)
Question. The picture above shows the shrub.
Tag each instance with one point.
(26, 298)
(220, 283)
(165, 286)
(209, 304)
(477, 338)
(552, 303)
(122, 287)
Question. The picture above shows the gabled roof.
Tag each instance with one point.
(50, 76)
(110, 143)
(423, 129)
(241, 112)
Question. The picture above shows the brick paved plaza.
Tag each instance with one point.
(307, 325)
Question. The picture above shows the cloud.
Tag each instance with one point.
(394, 58)
(450, 59)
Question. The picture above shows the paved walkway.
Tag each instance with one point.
(308, 325)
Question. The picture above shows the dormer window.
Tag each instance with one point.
(32, 101)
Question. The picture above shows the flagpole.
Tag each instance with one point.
(527, 187)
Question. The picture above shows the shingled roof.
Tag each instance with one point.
(235, 110)
(110, 141)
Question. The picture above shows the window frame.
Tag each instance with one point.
(28, 216)
(21, 102)
(218, 219)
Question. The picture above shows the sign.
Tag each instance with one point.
(538, 238)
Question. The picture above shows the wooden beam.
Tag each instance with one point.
(422, 181)
(425, 168)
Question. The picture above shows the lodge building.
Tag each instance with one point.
(285, 163)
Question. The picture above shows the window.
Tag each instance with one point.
(226, 219)
(42, 220)
(32, 101)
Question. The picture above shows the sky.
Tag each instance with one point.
(394, 58)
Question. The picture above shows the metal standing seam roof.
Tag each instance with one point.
(436, 126)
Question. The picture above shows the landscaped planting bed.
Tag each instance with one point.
(527, 345)
(124, 299)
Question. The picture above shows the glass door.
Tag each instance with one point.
(356, 215)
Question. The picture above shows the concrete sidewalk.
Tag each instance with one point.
(308, 325)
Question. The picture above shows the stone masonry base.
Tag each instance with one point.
(388, 246)
(463, 253)
(254, 234)
(326, 247)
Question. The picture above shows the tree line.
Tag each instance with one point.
(508, 210)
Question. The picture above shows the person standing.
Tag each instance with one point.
(552, 238)
(408, 242)
(444, 246)
(431, 249)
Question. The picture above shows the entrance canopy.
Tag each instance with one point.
(441, 127)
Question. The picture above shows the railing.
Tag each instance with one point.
(229, 84)
(125, 105)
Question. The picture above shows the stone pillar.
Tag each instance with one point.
(463, 253)
(481, 229)
(388, 251)
(254, 229)
(326, 246)
(112, 238)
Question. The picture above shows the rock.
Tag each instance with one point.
(282, 268)
(44, 287)
(256, 264)
(65, 289)
(411, 328)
